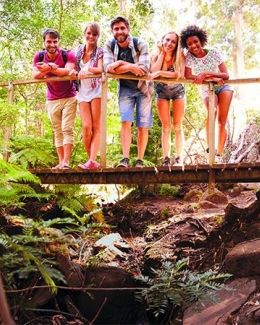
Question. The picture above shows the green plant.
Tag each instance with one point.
(31, 151)
(174, 285)
(26, 254)
(165, 213)
(12, 185)
(169, 190)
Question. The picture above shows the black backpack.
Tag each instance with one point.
(135, 40)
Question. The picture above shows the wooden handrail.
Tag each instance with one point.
(121, 76)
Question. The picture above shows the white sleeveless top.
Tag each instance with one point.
(86, 93)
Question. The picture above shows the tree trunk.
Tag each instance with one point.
(238, 46)
(5, 315)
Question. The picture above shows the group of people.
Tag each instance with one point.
(126, 54)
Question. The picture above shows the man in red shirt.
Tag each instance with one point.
(61, 102)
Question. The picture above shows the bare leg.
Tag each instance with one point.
(142, 140)
(96, 125)
(67, 148)
(86, 120)
(224, 101)
(178, 116)
(60, 153)
(163, 109)
(126, 138)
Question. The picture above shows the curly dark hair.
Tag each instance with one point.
(193, 30)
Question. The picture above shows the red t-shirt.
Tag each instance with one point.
(58, 89)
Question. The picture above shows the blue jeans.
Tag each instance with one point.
(131, 98)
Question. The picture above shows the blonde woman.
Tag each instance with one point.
(89, 60)
(168, 62)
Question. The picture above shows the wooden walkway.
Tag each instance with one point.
(218, 173)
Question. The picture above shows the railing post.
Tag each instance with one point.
(103, 142)
(211, 136)
(7, 130)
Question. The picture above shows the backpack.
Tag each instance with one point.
(135, 40)
(63, 53)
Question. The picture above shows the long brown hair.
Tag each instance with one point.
(177, 53)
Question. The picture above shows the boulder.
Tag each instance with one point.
(221, 305)
(208, 205)
(244, 259)
(217, 197)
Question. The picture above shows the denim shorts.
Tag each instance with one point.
(220, 89)
(217, 89)
(168, 92)
(131, 98)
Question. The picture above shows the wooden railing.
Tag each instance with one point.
(105, 77)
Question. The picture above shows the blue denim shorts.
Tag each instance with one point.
(168, 92)
(131, 98)
(220, 89)
(217, 89)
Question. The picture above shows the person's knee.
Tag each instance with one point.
(166, 127)
(96, 128)
(87, 128)
(177, 127)
(143, 130)
(222, 122)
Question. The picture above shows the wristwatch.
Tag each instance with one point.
(51, 65)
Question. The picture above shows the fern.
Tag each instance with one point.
(21, 258)
(175, 285)
(12, 191)
(32, 152)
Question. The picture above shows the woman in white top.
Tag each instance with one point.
(202, 64)
(89, 61)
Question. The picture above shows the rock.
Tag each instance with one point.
(216, 197)
(257, 315)
(193, 195)
(217, 311)
(208, 205)
(114, 245)
(244, 259)
(235, 191)
(104, 301)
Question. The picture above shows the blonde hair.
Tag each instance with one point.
(179, 64)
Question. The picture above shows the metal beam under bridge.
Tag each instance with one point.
(218, 173)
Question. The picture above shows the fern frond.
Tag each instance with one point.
(174, 284)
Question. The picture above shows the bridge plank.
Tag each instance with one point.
(224, 173)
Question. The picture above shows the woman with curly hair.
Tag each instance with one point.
(168, 62)
(207, 64)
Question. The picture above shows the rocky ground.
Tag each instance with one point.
(219, 231)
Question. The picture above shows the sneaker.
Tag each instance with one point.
(178, 161)
(124, 163)
(166, 162)
(90, 164)
(139, 163)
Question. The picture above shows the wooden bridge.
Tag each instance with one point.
(210, 173)
(217, 173)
